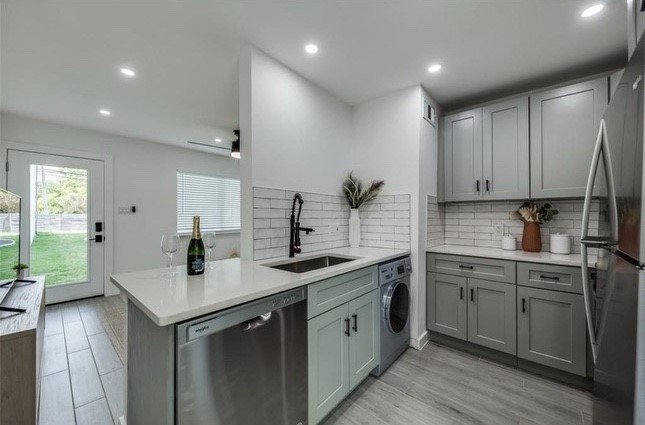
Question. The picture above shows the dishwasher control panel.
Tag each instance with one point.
(197, 328)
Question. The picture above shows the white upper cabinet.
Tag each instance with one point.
(506, 150)
(462, 149)
(564, 125)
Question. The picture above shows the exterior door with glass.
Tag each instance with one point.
(62, 221)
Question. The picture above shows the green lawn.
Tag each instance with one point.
(62, 257)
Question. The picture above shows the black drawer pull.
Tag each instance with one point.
(477, 184)
(461, 292)
(543, 276)
(347, 327)
(487, 185)
(355, 327)
(461, 266)
(523, 305)
(472, 294)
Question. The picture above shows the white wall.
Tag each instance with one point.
(144, 175)
(394, 143)
(295, 135)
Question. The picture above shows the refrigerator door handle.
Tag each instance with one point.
(601, 149)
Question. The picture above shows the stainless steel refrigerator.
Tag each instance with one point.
(612, 228)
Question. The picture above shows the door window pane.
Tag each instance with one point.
(58, 216)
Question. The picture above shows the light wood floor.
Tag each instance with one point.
(82, 372)
(442, 386)
(83, 381)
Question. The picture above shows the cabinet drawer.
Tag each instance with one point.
(481, 268)
(546, 276)
(329, 293)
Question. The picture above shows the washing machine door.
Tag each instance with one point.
(397, 307)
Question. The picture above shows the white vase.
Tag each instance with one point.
(354, 228)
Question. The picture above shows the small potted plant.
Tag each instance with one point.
(20, 270)
(356, 196)
(532, 215)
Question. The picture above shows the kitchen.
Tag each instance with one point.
(494, 335)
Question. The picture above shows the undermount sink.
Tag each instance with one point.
(310, 264)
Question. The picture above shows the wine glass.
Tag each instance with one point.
(169, 245)
(209, 243)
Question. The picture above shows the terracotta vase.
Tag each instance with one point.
(531, 239)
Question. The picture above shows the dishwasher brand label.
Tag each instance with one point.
(198, 330)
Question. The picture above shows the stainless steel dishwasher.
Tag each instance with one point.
(246, 365)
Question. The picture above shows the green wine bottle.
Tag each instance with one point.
(195, 262)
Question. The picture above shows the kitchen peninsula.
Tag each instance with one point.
(158, 303)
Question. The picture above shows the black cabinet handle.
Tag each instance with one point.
(477, 185)
(487, 185)
(461, 292)
(355, 327)
(472, 294)
(347, 327)
(523, 305)
(543, 276)
(461, 266)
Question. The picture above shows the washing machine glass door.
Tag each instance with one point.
(397, 307)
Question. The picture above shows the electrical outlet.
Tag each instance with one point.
(499, 229)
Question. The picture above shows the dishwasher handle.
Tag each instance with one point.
(256, 322)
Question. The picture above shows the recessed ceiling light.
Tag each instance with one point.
(590, 11)
(128, 72)
(105, 112)
(311, 49)
(218, 140)
(434, 68)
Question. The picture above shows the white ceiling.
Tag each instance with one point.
(60, 59)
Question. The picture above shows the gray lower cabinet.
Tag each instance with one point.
(564, 126)
(491, 315)
(364, 337)
(551, 329)
(342, 350)
(446, 304)
(474, 310)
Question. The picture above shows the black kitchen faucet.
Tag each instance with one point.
(294, 235)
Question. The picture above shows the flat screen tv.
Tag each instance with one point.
(9, 239)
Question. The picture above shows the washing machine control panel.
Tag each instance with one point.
(394, 270)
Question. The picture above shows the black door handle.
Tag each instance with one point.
(97, 238)
(461, 292)
(523, 305)
(472, 294)
(347, 327)
(355, 327)
(477, 185)
(487, 185)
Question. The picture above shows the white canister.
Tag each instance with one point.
(560, 243)
(509, 243)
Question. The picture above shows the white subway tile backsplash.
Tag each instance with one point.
(473, 223)
(385, 222)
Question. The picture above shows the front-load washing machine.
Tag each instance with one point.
(394, 311)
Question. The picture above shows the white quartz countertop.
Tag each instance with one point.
(171, 299)
(518, 255)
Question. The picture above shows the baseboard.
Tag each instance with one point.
(419, 343)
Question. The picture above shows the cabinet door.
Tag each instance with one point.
(446, 304)
(462, 148)
(551, 329)
(328, 362)
(492, 315)
(564, 126)
(506, 150)
(364, 339)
